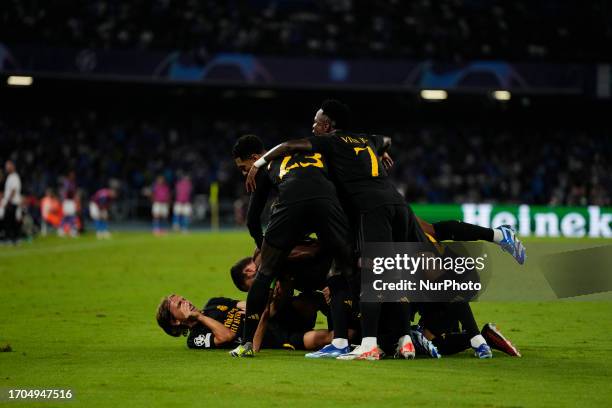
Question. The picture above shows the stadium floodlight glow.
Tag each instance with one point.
(15, 80)
(502, 95)
(434, 94)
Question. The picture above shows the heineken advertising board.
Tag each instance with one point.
(528, 220)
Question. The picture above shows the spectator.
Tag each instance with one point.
(11, 201)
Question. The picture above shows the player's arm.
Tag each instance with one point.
(281, 150)
(257, 204)
(382, 145)
(221, 334)
(261, 329)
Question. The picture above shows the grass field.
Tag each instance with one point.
(79, 314)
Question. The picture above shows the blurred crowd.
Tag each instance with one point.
(78, 155)
(457, 30)
(530, 165)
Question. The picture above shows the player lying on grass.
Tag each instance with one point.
(218, 324)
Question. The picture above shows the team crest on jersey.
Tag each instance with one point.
(222, 308)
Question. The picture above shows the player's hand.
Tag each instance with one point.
(241, 306)
(387, 161)
(184, 312)
(187, 311)
(250, 180)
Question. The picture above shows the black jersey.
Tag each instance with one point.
(223, 310)
(297, 177)
(300, 176)
(357, 169)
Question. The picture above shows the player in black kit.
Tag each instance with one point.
(220, 322)
(374, 205)
(307, 202)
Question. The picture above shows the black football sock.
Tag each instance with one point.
(463, 312)
(452, 343)
(340, 305)
(461, 231)
(256, 304)
(370, 314)
(403, 313)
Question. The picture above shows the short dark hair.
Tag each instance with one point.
(246, 146)
(337, 112)
(165, 318)
(236, 271)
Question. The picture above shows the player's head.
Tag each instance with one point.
(160, 179)
(9, 166)
(170, 317)
(243, 273)
(246, 151)
(333, 115)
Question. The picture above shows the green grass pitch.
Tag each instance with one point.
(79, 314)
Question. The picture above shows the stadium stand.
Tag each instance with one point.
(434, 163)
(456, 30)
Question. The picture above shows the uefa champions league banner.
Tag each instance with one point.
(527, 220)
(269, 71)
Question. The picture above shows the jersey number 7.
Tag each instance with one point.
(373, 158)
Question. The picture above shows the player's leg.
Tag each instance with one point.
(176, 216)
(94, 213)
(441, 328)
(333, 232)
(187, 209)
(443, 318)
(504, 236)
(257, 298)
(155, 213)
(11, 223)
(406, 228)
(461, 231)
(281, 336)
(104, 223)
(373, 226)
(315, 339)
(284, 230)
(463, 313)
(164, 213)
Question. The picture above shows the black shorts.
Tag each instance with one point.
(290, 223)
(389, 223)
(279, 337)
(437, 317)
